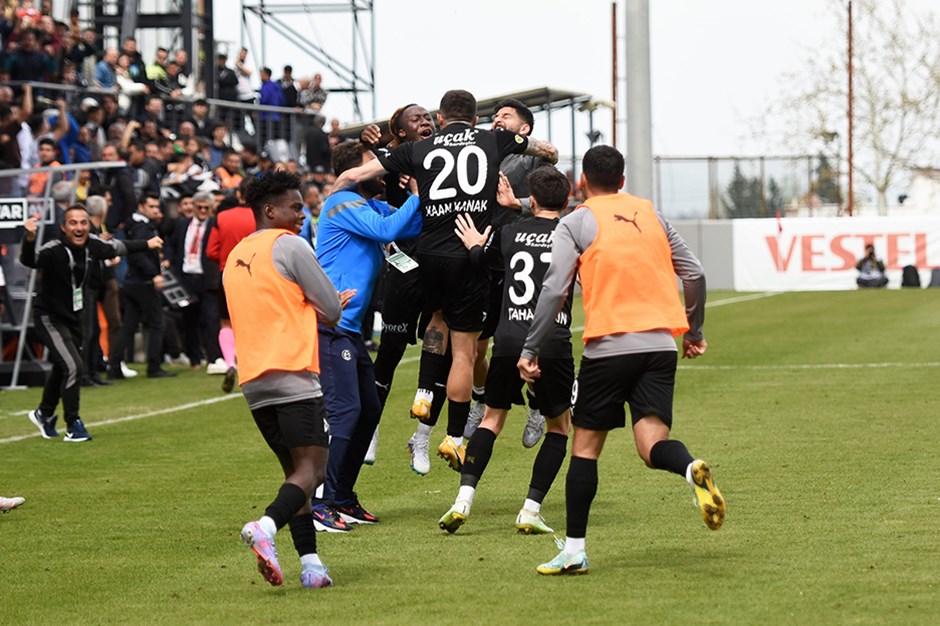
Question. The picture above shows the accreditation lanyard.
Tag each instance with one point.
(77, 300)
(401, 261)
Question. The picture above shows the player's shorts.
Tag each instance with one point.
(494, 303)
(552, 389)
(457, 287)
(293, 424)
(223, 303)
(401, 304)
(644, 380)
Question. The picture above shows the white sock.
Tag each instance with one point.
(466, 493)
(310, 559)
(318, 494)
(458, 440)
(268, 525)
(424, 394)
(688, 473)
(573, 546)
(532, 506)
(424, 431)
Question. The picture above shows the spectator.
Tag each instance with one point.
(153, 112)
(243, 71)
(871, 269)
(250, 159)
(157, 70)
(227, 79)
(48, 153)
(313, 97)
(11, 124)
(28, 62)
(121, 185)
(289, 87)
(100, 286)
(218, 145)
(136, 67)
(271, 95)
(229, 172)
(317, 145)
(312, 204)
(85, 52)
(186, 253)
(146, 171)
(200, 118)
(106, 71)
(140, 295)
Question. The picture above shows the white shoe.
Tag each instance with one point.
(534, 428)
(370, 453)
(217, 367)
(182, 359)
(128, 372)
(8, 504)
(420, 459)
(529, 523)
(473, 419)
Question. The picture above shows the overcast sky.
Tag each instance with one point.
(715, 64)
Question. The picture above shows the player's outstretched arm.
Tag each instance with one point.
(352, 177)
(542, 149)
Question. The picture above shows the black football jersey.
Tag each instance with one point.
(396, 197)
(457, 170)
(526, 249)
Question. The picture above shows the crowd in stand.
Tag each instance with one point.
(178, 151)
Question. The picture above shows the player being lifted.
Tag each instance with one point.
(524, 248)
(457, 172)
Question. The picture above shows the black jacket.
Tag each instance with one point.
(54, 296)
(141, 268)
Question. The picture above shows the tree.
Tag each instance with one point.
(826, 185)
(896, 71)
(743, 195)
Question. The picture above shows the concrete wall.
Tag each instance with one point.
(712, 242)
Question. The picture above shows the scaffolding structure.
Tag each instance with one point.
(354, 70)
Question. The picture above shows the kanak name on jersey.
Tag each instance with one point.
(448, 208)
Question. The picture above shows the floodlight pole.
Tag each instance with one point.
(639, 109)
(613, 83)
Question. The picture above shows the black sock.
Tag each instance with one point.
(479, 450)
(547, 463)
(580, 489)
(389, 356)
(304, 534)
(476, 396)
(432, 376)
(457, 413)
(289, 499)
(670, 455)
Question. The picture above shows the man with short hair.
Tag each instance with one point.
(229, 171)
(456, 173)
(48, 151)
(199, 275)
(270, 94)
(627, 256)
(140, 294)
(231, 226)
(514, 116)
(157, 70)
(64, 266)
(522, 248)
(354, 229)
(278, 293)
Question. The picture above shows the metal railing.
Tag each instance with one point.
(22, 326)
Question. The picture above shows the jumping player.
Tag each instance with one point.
(524, 250)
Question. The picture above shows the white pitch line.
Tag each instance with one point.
(130, 418)
(810, 366)
(578, 329)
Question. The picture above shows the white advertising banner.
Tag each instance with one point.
(816, 254)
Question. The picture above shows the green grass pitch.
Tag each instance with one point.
(819, 413)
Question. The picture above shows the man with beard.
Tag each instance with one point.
(354, 229)
(64, 265)
(514, 116)
(456, 173)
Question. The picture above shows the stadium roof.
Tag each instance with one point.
(537, 99)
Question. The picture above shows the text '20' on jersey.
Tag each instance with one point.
(457, 170)
(526, 249)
